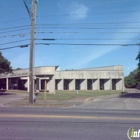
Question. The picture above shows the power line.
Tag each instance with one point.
(26, 45)
(85, 39)
(85, 32)
(19, 46)
(130, 22)
(7, 10)
(7, 22)
(98, 13)
(28, 1)
(14, 27)
(15, 30)
(9, 36)
(23, 28)
(54, 27)
(93, 44)
(65, 24)
(14, 42)
(50, 39)
(27, 8)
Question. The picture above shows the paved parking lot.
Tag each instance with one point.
(130, 101)
(6, 98)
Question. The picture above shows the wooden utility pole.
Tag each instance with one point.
(32, 46)
(45, 89)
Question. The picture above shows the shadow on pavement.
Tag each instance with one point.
(130, 95)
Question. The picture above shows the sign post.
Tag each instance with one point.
(45, 90)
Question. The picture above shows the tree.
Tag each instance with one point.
(131, 80)
(138, 58)
(17, 69)
(138, 72)
(4, 64)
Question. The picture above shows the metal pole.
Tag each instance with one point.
(92, 81)
(32, 45)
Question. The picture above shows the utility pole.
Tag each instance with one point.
(32, 46)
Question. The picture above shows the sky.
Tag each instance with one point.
(87, 33)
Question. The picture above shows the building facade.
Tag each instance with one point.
(103, 78)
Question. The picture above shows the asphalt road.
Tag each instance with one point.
(66, 124)
(104, 118)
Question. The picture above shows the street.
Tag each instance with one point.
(106, 117)
(61, 124)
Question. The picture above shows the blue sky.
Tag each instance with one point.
(73, 22)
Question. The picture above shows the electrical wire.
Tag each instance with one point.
(10, 36)
(51, 39)
(7, 10)
(15, 30)
(85, 32)
(23, 28)
(45, 26)
(86, 27)
(126, 22)
(15, 27)
(14, 42)
(23, 46)
(8, 22)
(19, 46)
(100, 13)
(92, 44)
(28, 1)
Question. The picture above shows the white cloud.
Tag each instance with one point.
(103, 50)
(93, 55)
(78, 11)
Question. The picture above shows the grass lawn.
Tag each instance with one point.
(67, 95)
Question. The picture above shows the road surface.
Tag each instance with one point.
(66, 124)
(104, 118)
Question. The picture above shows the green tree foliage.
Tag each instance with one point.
(131, 80)
(4, 65)
(17, 69)
(138, 72)
(138, 58)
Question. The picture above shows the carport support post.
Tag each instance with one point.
(123, 83)
(7, 84)
(98, 80)
(28, 87)
(110, 84)
(45, 90)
